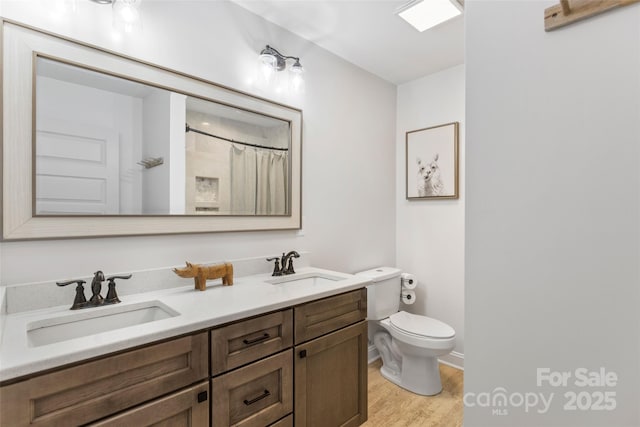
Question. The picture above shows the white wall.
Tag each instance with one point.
(553, 209)
(130, 139)
(430, 233)
(348, 143)
(177, 153)
(156, 142)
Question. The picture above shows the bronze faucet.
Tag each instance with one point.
(281, 267)
(288, 269)
(96, 287)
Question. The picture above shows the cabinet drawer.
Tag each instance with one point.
(329, 314)
(188, 408)
(285, 422)
(255, 395)
(93, 390)
(249, 340)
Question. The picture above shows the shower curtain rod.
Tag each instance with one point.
(190, 129)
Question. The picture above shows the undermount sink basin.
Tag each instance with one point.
(92, 321)
(312, 278)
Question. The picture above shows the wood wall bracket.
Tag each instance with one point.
(570, 11)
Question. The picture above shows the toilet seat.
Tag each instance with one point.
(420, 326)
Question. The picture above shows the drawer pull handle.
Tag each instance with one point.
(255, 399)
(256, 340)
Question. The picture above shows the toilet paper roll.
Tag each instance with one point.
(408, 296)
(408, 281)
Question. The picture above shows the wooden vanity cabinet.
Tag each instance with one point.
(331, 369)
(97, 389)
(240, 374)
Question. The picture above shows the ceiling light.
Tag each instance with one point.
(425, 14)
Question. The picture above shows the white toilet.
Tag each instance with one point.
(412, 343)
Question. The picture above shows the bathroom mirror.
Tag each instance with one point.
(97, 144)
(107, 145)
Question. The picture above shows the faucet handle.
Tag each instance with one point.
(80, 300)
(79, 282)
(112, 296)
(125, 277)
(277, 271)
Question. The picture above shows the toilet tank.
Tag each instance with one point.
(383, 295)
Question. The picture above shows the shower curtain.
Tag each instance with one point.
(258, 181)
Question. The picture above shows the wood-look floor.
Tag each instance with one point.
(393, 406)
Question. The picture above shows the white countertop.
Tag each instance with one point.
(249, 296)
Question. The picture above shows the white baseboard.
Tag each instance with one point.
(453, 359)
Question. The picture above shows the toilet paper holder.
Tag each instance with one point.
(408, 281)
(408, 296)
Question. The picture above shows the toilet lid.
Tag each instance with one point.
(421, 325)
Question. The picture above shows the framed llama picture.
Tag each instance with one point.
(432, 162)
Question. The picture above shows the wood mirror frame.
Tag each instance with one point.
(20, 46)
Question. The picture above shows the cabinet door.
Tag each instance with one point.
(331, 379)
(255, 395)
(186, 408)
(320, 317)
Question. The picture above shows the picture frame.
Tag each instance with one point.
(432, 162)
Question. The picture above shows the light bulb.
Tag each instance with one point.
(126, 14)
(296, 68)
(268, 59)
(268, 63)
(297, 82)
(266, 71)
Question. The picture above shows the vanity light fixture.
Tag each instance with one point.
(277, 61)
(273, 61)
(126, 13)
(425, 14)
